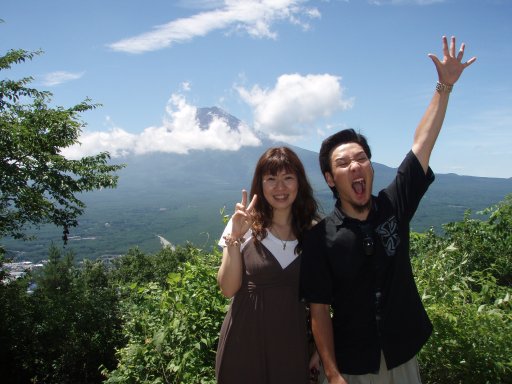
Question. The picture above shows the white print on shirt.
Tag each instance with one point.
(388, 232)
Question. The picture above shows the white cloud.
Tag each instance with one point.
(179, 133)
(185, 86)
(59, 77)
(294, 108)
(254, 17)
(289, 110)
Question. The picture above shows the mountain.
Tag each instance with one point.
(180, 197)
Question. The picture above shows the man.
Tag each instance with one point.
(355, 261)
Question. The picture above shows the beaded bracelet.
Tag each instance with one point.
(231, 241)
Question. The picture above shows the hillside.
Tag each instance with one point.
(179, 197)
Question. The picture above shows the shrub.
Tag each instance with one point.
(464, 278)
(173, 331)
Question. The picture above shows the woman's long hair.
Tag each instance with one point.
(304, 208)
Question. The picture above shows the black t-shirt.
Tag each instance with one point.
(362, 269)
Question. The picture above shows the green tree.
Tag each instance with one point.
(65, 329)
(15, 323)
(38, 184)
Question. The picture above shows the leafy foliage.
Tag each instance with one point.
(464, 278)
(172, 332)
(39, 185)
(489, 242)
(65, 329)
(14, 324)
(139, 267)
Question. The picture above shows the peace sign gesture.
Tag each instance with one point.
(450, 69)
(242, 219)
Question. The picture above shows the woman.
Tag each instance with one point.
(263, 338)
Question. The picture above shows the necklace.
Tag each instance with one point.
(276, 235)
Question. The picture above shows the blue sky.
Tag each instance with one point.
(294, 70)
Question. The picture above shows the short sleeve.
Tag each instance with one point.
(409, 186)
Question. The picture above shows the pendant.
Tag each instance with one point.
(284, 245)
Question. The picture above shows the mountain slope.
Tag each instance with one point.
(179, 197)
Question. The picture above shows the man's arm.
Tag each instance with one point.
(448, 71)
(321, 325)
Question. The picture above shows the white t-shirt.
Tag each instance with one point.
(273, 244)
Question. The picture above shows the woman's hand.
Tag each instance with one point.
(242, 218)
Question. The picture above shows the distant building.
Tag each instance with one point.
(19, 269)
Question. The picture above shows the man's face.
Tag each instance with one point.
(352, 176)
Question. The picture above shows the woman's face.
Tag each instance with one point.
(280, 190)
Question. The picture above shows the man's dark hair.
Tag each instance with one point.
(334, 141)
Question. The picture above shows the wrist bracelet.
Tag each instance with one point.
(231, 241)
(440, 87)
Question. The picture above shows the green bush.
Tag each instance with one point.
(464, 278)
(172, 331)
(487, 242)
(139, 267)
